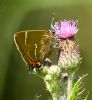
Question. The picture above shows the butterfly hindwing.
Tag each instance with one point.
(33, 45)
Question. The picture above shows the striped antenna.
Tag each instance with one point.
(53, 17)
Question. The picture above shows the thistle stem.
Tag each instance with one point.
(53, 89)
(54, 96)
(69, 85)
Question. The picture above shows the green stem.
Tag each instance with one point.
(54, 96)
(69, 85)
(54, 88)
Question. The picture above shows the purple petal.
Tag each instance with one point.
(65, 29)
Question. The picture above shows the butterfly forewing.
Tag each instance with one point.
(33, 44)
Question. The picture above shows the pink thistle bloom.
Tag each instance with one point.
(65, 29)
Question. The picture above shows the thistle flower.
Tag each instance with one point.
(65, 29)
(69, 55)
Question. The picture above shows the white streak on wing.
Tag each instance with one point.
(26, 38)
(36, 51)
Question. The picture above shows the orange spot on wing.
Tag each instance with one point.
(35, 63)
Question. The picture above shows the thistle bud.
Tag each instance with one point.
(69, 56)
(54, 70)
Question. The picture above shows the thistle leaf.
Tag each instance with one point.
(76, 93)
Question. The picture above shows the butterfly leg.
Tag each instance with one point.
(30, 68)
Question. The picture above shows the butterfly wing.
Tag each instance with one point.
(33, 44)
(46, 44)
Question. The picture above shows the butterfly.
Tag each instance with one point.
(34, 46)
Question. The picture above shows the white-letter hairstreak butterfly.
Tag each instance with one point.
(34, 45)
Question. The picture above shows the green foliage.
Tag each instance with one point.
(77, 90)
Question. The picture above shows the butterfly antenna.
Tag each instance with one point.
(52, 21)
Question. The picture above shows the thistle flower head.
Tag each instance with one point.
(65, 29)
(69, 57)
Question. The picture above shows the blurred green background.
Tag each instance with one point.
(16, 15)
